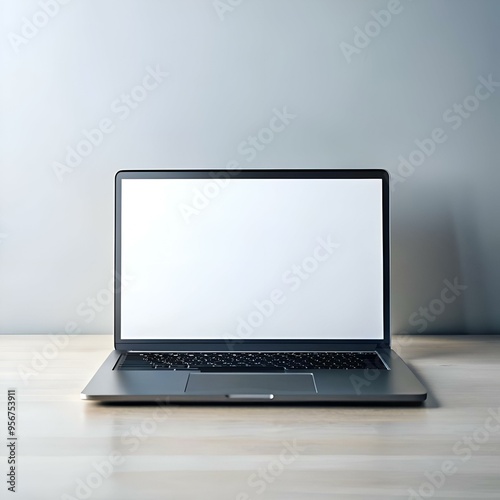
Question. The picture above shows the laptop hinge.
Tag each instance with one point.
(196, 348)
(383, 345)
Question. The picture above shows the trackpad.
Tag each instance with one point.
(251, 383)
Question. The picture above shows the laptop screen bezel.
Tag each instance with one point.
(245, 344)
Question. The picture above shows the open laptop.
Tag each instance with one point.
(268, 286)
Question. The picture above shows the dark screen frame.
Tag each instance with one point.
(245, 344)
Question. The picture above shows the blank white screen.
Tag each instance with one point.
(252, 259)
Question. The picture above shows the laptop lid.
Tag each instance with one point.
(251, 259)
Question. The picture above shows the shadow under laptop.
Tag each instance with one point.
(430, 402)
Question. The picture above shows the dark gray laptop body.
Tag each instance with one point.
(391, 381)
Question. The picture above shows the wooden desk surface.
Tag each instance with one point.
(72, 449)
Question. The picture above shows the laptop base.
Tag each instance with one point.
(398, 384)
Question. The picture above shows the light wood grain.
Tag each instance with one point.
(216, 452)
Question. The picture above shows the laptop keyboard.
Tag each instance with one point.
(250, 361)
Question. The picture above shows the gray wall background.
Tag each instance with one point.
(62, 72)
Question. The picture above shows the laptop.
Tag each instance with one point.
(253, 286)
